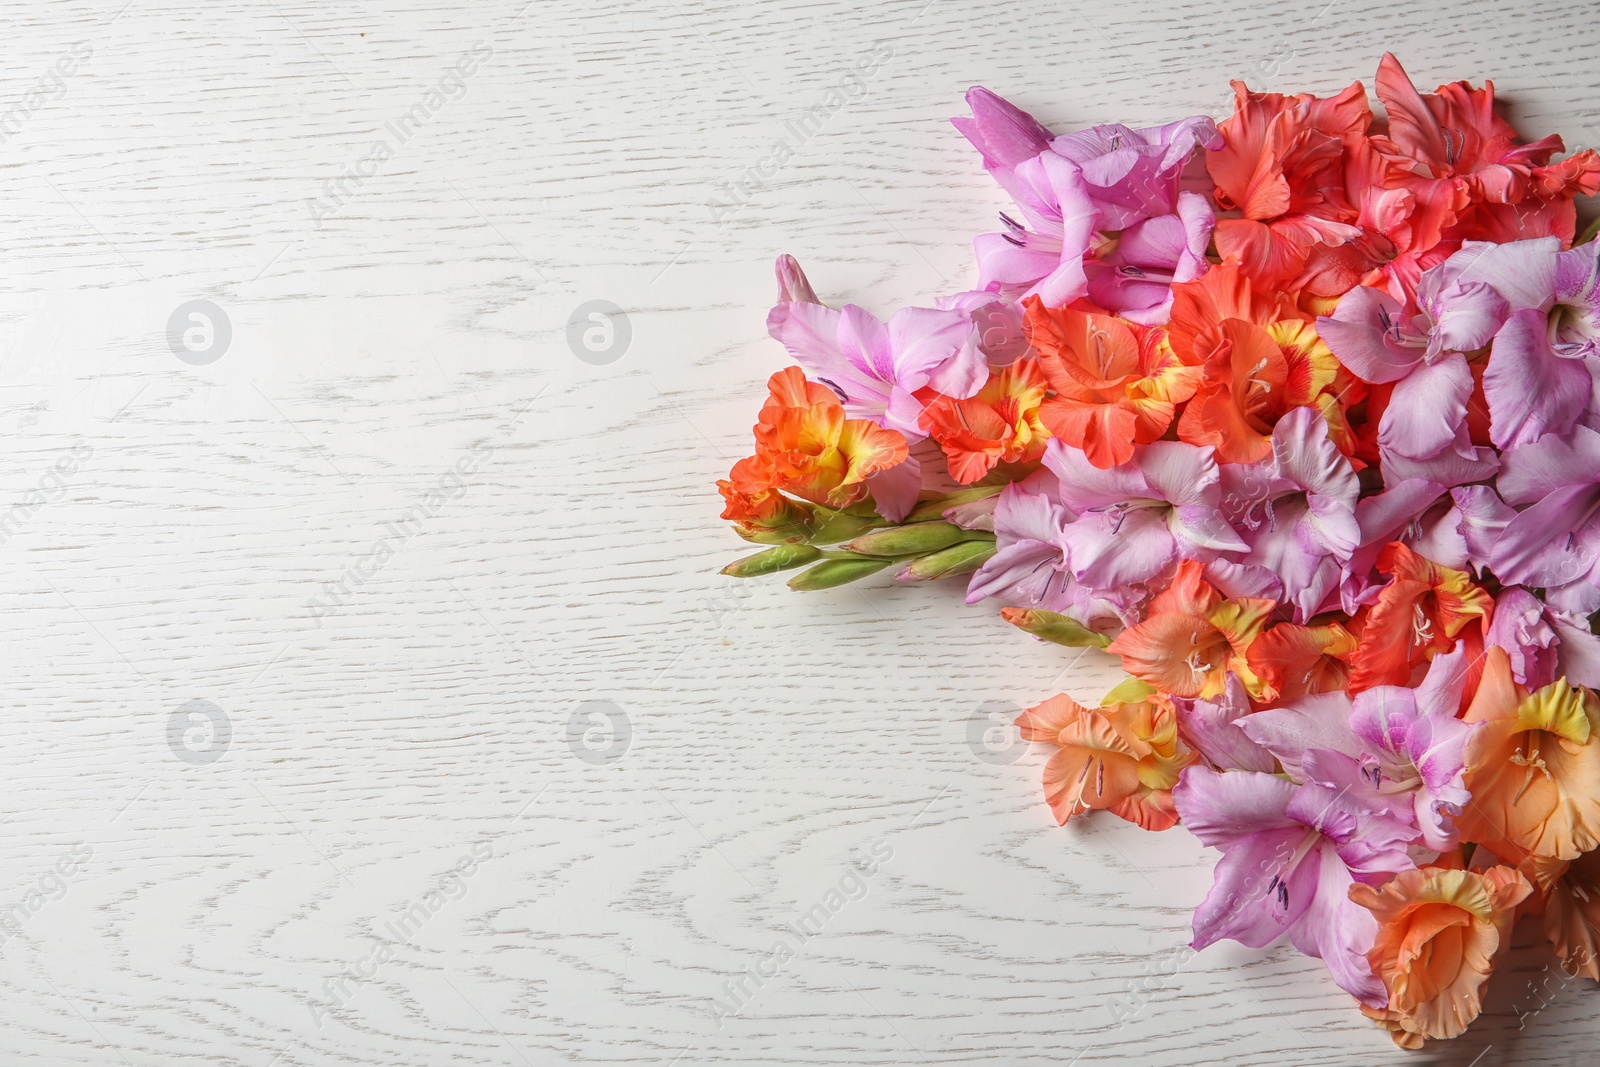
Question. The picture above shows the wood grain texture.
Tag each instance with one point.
(172, 528)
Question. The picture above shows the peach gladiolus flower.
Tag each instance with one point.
(1419, 613)
(806, 446)
(1439, 931)
(998, 425)
(1295, 661)
(1191, 638)
(1116, 385)
(1533, 765)
(1570, 902)
(1120, 757)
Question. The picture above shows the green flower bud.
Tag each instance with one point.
(928, 510)
(832, 572)
(1050, 626)
(962, 558)
(772, 560)
(916, 539)
(835, 526)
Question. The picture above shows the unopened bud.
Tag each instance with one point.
(835, 526)
(915, 539)
(928, 510)
(792, 283)
(832, 572)
(962, 558)
(780, 558)
(1054, 627)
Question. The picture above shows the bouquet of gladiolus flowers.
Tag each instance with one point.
(1299, 416)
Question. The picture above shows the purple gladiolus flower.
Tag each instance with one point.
(1290, 853)
(1554, 543)
(876, 367)
(1132, 175)
(1030, 569)
(1134, 276)
(1295, 511)
(1135, 519)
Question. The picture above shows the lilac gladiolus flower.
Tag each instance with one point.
(1534, 303)
(1134, 519)
(1132, 175)
(876, 368)
(1134, 277)
(1554, 543)
(1029, 568)
(1290, 853)
(1400, 753)
(1296, 511)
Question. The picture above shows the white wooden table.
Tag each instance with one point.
(296, 630)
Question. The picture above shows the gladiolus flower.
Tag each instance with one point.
(1533, 766)
(1438, 934)
(1419, 613)
(999, 425)
(806, 446)
(1294, 661)
(1121, 757)
(1192, 638)
(1114, 387)
(1570, 903)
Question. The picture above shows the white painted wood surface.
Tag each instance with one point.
(399, 316)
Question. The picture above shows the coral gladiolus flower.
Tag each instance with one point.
(1571, 905)
(806, 446)
(1192, 638)
(1200, 307)
(1533, 767)
(1282, 166)
(1254, 377)
(1439, 931)
(1295, 661)
(1454, 140)
(1115, 385)
(1122, 758)
(1419, 613)
(999, 425)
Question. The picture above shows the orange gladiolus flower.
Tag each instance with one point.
(1200, 307)
(1252, 378)
(1419, 613)
(1439, 931)
(1533, 765)
(1296, 660)
(765, 514)
(998, 425)
(1570, 902)
(806, 446)
(1121, 757)
(1116, 385)
(1191, 638)
(1282, 166)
